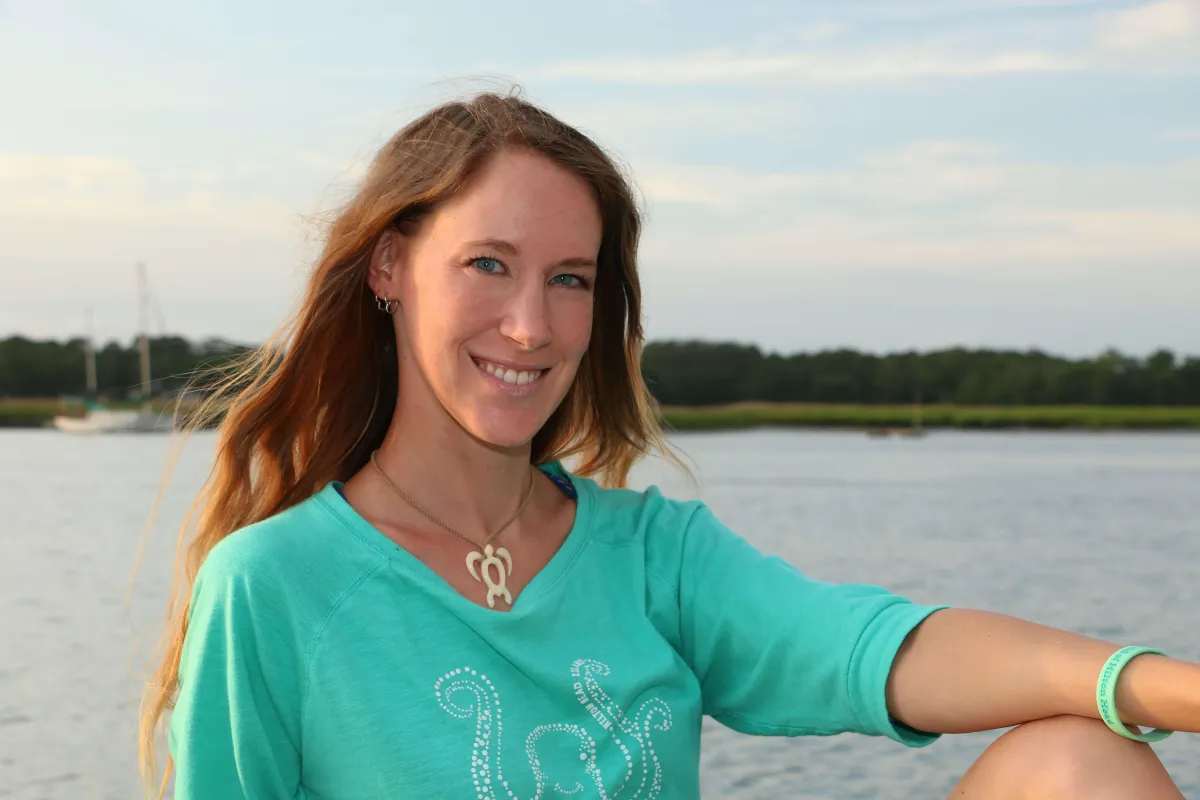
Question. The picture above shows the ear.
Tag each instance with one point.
(383, 274)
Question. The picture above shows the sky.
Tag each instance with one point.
(878, 175)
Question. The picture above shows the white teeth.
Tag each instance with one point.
(510, 375)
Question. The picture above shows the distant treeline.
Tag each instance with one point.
(30, 368)
(705, 373)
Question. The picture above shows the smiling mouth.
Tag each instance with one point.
(508, 374)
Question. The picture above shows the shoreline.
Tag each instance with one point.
(902, 420)
(34, 413)
(883, 420)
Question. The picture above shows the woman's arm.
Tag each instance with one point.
(964, 670)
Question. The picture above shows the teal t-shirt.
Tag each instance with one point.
(324, 662)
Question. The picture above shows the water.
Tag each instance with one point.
(1095, 533)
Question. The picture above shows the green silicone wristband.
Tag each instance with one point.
(1106, 690)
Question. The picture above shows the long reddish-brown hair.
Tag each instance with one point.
(311, 405)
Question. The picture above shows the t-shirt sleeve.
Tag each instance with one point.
(777, 653)
(235, 731)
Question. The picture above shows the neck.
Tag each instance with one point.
(468, 484)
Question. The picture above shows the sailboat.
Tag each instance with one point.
(100, 419)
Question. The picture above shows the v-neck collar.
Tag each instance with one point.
(527, 600)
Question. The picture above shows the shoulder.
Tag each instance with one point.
(261, 599)
(664, 530)
(301, 560)
(619, 515)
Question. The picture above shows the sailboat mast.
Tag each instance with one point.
(143, 327)
(89, 352)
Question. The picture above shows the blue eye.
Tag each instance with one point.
(487, 264)
(570, 281)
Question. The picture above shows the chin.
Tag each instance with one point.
(504, 430)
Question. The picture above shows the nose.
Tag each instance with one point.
(527, 318)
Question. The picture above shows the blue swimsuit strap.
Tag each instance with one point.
(562, 483)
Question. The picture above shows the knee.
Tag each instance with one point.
(1069, 757)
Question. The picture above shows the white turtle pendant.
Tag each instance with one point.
(502, 562)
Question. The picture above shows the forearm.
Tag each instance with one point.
(964, 670)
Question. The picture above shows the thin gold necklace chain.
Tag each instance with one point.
(433, 518)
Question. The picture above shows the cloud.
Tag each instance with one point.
(68, 190)
(1170, 25)
(943, 206)
(732, 67)
(919, 174)
(1031, 248)
(888, 9)
(80, 218)
(77, 180)
(1158, 37)
(1182, 134)
(822, 31)
(632, 122)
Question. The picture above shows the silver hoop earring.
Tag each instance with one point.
(385, 305)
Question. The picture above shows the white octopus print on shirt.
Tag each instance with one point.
(467, 693)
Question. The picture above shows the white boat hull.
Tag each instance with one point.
(114, 422)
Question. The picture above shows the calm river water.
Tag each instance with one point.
(1094, 533)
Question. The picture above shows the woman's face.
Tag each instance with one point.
(495, 292)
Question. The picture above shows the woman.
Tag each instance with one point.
(397, 590)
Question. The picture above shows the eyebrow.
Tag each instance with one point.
(512, 250)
